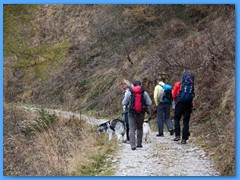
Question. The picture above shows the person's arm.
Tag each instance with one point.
(148, 114)
(156, 92)
(125, 100)
(147, 99)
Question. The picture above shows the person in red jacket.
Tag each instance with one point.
(181, 109)
(176, 90)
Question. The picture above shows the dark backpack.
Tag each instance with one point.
(167, 93)
(137, 102)
(187, 87)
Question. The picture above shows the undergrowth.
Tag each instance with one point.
(40, 144)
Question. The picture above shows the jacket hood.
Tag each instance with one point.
(137, 89)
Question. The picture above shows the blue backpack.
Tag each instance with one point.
(167, 94)
(187, 87)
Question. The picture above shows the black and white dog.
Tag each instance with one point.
(115, 125)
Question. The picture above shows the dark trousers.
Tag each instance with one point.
(127, 124)
(135, 128)
(163, 115)
(185, 110)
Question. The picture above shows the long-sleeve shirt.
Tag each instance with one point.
(127, 98)
(125, 107)
(158, 93)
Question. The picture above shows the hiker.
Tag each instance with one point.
(138, 100)
(183, 94)
(163, 100)
(125, 84)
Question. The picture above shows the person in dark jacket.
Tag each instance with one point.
(181, 109)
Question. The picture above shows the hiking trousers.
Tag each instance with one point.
(185, 110)
(163, 115)
(135, 126)
(127, 124)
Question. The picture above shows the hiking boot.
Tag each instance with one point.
(171, 132)
(159, 135)
(133, 148)
(184, 141)
(139, 146)
(177, 138)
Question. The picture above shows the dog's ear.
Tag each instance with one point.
(108, 124)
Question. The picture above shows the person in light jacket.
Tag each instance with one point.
(163, 108)
(125, 84)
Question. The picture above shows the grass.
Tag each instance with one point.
(218, 141)
(58, 146)
(205, 49)
(99, 166)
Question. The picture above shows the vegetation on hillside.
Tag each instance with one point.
(40, 144)
(74, 56)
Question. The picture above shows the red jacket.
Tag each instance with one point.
(176, 90)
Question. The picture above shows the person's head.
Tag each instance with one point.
(125, 84)
(161, 79)
(136, 83)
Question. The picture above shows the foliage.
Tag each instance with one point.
(40, 124)
(22, 49)
(57, 151)
(97, 46)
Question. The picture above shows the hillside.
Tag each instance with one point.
(75, 56)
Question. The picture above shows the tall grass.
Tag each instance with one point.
(44, 145)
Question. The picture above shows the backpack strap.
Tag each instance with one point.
(143, 100)
(161, 85)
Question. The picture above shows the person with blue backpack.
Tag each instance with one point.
(163, 100)
(183, 94)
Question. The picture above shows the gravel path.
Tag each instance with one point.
(68, 114)
(163, 157)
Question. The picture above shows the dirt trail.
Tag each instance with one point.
(68, 114)
(161, 157)
(164, 157)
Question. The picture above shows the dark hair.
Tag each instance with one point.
(161, 79)
(137, 83)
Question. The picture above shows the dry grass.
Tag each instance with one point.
(201, 39)
(66, 147)
(214, 126)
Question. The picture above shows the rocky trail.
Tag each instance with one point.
(164, 157)
(160, 157)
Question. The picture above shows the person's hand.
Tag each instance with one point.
(193, 106)
(124, 108)
(155, 110)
